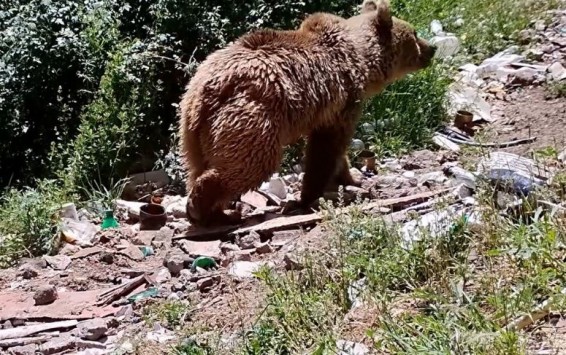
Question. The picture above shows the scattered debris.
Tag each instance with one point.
(350, 348)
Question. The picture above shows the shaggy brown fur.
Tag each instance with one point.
(269, 88)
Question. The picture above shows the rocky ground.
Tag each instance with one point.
(93, 297)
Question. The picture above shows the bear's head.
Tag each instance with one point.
(392, 46)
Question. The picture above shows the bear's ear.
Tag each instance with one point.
(382, 10)
(369, 6)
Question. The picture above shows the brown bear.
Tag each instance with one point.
(269, 88)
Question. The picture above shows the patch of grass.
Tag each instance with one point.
(99, 198)
(452, 291)
(557, 89)
(407, 113)
(169, 314)
(28, 221)
(298, 303)
(191, 348)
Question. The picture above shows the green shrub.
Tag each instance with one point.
(407, 113)
(28, 221)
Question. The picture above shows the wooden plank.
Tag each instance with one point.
(284, 222)
(401, 202)
(21, 332)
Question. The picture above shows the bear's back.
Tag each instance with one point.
(301, 75)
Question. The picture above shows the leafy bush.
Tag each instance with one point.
(53, 54)
(407, 113)
(28, 221)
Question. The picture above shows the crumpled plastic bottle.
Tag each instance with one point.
(109, 221)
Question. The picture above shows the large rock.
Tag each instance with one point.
(178, 209)
(163, 238)
(245, 269)
(175, 263)
(92, 329)
(144, 237)
(45, 295)
(204, 248)
(557, 71)
(23, 350)
(249, 241)
(58, 262)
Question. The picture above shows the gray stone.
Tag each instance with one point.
(540, 25)
(133, 252)
(92, 329)
(525, 36)
(173, 297)
(205, 284)
(291, 262)
(163, 275)
(244, 269)
(144, 237)
(263, 248)
(350, 348)
(201, 248)
(175, 263)
(23, 350)
(281, 238)
(525, 75)
(179, 226)
(248, 241)
(557, 71)
(28, 271)
(228, 247)
(163, 237)
(58, 262)
(58, 345)
(45, 295)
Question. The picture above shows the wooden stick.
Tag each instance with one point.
(491, 145)
(122, 290)
(538, 313)
(22, 332)
(401, 202)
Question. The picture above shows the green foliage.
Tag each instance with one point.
(27, 221)
(52, 56)
(407, 113)
(191, 348)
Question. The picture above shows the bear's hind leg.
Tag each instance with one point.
(207, 199)
(324, 159)
(343, 176)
